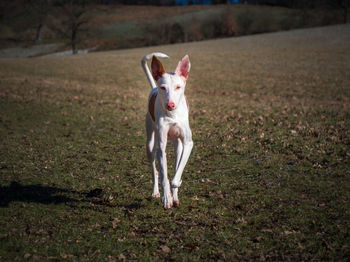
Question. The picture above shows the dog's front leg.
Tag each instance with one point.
(176, 182)
(163, 168)
(178, 149)
(187, 148)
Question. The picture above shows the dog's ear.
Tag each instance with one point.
(183, 68)
(157, 68)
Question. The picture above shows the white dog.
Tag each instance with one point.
(167, 117)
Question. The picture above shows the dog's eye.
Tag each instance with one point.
(163, 88)
(178, 88)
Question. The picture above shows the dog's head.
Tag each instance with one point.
(171, 86)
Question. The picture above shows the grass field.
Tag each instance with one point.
(268, 178)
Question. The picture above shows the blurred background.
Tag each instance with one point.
(41, 27)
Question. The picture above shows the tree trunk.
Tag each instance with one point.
(38, 33)
(74, 41)
(346, 11)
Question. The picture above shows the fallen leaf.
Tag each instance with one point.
(287, 232)
(121, 257)
(115, 222)
(165, 249)
(195, 198)
(241, 220)
(293, 132)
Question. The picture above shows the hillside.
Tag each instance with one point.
(268, 178)
(38, 31)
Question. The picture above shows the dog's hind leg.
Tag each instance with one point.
(151, 152)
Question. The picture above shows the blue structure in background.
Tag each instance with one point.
(202, 2)
(193, 2)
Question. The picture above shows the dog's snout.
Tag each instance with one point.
(170, 106)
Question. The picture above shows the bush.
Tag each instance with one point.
(163, 33)
(288, 21)
(263, 22)
(305, 18)
(6, 32)
(229, 25)
(156, 33)
(245, 21)
(194, 31)
(211, 28)
(176, 34)
(230, 21)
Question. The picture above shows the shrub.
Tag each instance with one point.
(245, 21)
(229, 25)
(305, 18)
(262, 22)
(156, 33)
(176, 34)
(193, 32)
(6, 32)
(288, 21)
(211, 28)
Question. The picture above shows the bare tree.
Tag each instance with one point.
(40, 9)
(344, 4)
(71, 21)
(19, 16)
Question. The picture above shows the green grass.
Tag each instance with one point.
(268, 178)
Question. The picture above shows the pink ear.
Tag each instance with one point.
(183, 68)
(157, 68)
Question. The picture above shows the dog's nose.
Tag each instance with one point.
(170, 106)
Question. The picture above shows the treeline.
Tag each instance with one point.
(235, 22)
(297, 4)
(283, 3)
(74, 21)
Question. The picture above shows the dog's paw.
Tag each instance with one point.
(167, 200)
(156, 195)
(176, 203)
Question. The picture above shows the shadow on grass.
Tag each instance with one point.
(53, 195)
(33, 193)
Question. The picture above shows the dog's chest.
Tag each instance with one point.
(174, 131)
(173, 122)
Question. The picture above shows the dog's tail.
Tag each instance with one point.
(146, 69)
